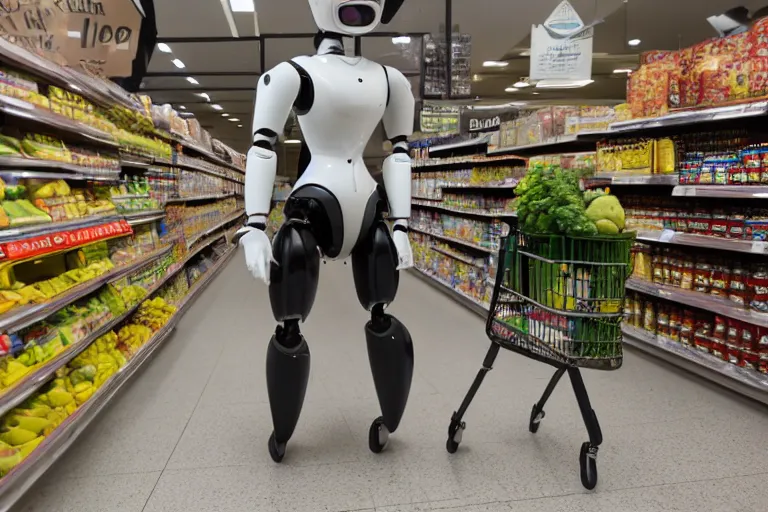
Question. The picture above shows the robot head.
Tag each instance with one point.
(353, 17)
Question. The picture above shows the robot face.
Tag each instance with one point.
(352, 17)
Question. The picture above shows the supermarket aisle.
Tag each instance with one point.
(189, 434)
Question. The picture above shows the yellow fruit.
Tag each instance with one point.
(30, 423)
(59, 397)
(39, 411)
(80, 398)
(17, 436)
(27, 448)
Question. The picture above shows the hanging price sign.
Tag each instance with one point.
(35, 25)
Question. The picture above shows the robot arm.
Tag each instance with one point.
(275, 95)
(398, 124)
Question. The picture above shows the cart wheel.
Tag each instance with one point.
(378, 435)
(588, 464)
(276, 450)
(536, 417)
(455, 433)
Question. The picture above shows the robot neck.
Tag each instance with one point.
(329, 43)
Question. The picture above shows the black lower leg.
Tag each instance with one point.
(288, 364)
(490, 358)
(587, 413)
(550, 388)
(390, 352)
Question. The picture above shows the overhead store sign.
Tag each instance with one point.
(561, 48)
(35, 25)
(485, 120)
(103, 36)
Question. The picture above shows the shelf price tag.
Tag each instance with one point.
(666, 236)
(759, 247)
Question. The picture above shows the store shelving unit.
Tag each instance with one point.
(203, 197)
(458, 241)
(465, 300)
(703, 242)
(722, 191)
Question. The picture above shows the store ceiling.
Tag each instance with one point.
(500, 29)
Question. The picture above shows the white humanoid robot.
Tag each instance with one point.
(335, 209)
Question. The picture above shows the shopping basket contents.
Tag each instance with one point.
(557, 299)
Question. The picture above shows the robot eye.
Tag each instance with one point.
(357, 15)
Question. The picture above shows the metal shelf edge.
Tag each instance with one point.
(454, 240)
(457, 296)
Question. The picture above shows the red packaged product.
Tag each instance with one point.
(733, 341)
(719, 334)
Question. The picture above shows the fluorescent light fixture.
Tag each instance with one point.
(239, 126)
(292, 141)
(511, 89)
(224, 115)
(217, 107)
(536, 93)
(163, 47)
(242, 6)
(204, 95)
(521, 84)
(495, 64)
(178, 63)
(633, 42)
(401, 40)
(622, 70)
(74, 34)
(562, 84)
(182, 107)
(525, 53)
(192, 80)
(233, 119)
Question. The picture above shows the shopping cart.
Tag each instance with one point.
(558, 300)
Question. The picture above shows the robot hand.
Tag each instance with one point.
(403, 246)
(258, 251)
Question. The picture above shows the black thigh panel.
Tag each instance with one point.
(374, 209)
(318, 206)
(374, 267)
(294, 274)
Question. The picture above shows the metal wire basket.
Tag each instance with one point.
(560, 299)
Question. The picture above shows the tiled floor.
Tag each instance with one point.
(189, 434)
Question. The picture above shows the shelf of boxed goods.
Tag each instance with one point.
(198, 168)
(720, 305)
(470, 212)
(202, 197)
(743, 381)
(229, 218)
(474, 305)
(17, 481)
(22, 167)
(27, 112)
(459, 241)
(443, 164)
(563, 144)
(208, 155)
(706, 242)
(22, 390)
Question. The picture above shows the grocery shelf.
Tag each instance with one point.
(18, 165)
(722, 191)
(459, 241)
(419, 198)
(566, 144)
(465, 300)
(207, 197)
(466, 144)
(456, 257)
(46, 228)
(28, 112)
(436, 163)
(135, 162)
(22, 477)
(473, 213)
(199, 168)
(703, 241)
(719, 305)
(208, 155)
(219, 225)
(502, 186)
(745, 382)
(145, 217)
(628, 178)
(19, 318)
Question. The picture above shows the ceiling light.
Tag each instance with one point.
(239, 126)
(292, 141)
(233, 119)
(192, 80)
(182, 107)
(525, 53)
(178, 63)
(163, 47)
(495, 64)
(511, 89)
(242, 6)
(562, 84)
(521, 84)
(536, 93)
(622, 70)
(401, 40)
(633, 42)
(224, 115)
(217, 107)
(204, 95)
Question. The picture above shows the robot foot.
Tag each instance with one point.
(390, 351)
(287, 375)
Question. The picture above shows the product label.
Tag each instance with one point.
(46, 244)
